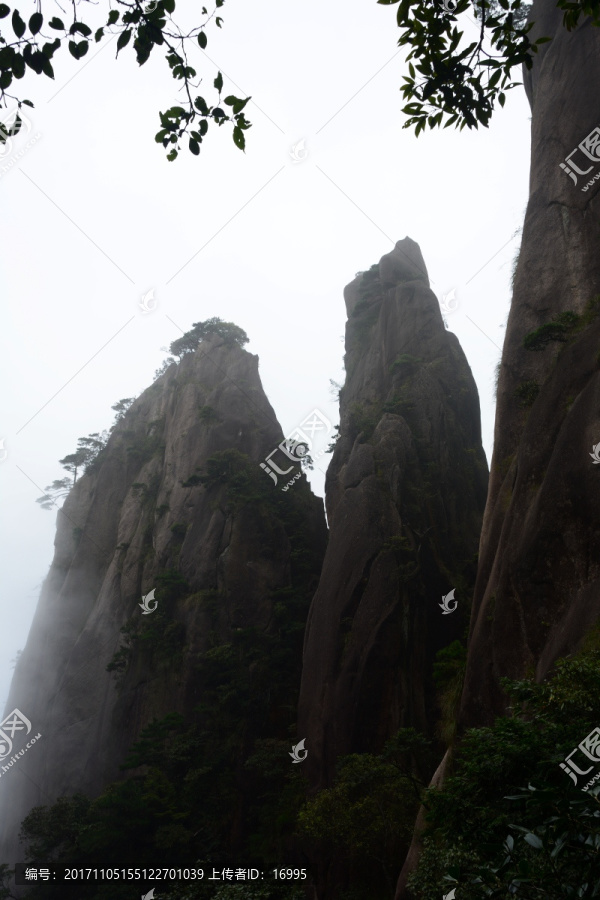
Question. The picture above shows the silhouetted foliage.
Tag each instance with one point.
(189, 342)
(87, 451)
(449, 81)
(150, 25)
(457, 82)
(164, 366)
(121, 408)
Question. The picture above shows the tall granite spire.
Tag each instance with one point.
(405, 493)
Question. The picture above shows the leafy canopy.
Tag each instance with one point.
(459, 82)
(188, 343)
(367, 816)
(508, 822)
(449, 79)
(31, 42)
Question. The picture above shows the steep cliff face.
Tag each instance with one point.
(537, 590)
(405, 493)
(538, 582)
(225, 554)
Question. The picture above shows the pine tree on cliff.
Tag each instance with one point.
(189, 342)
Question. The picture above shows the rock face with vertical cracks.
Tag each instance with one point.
(538, 585)
(405, 493)
(127, 522)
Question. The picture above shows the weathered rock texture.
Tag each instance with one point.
(127, 520)
(405, 493)
(538, 584)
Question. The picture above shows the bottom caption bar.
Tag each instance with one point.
(27, 874)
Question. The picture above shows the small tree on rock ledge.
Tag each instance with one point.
(188, 343)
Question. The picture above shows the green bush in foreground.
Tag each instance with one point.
(509, 822)
(366, 818)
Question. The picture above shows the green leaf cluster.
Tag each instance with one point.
(526, 393)
(190, 341)
(367, 816)
(558, 329)
(508, 822)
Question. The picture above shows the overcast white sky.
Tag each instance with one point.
(93, 217)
